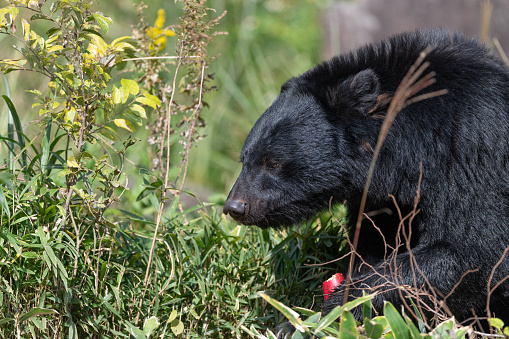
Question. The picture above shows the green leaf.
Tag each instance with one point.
(39, 16)
(117, 95)
(12, 240)
(146, 191)
(398, 326)
(305, 311)
(149, 100)
(36, 311)
(366, 310)
(173, 315)
(109, 133)
(15, 122)
(347, 326)
(53, 31)
(337, 311)
(4, 203)
(9, 10)
(48, 251)
(73, 331)
(5, 320)
(149, 325)
(290, 314)
(125, 124)
(140, 110)
(373, 330)
(413, 329)
(495, 322)
(26, 29)
(30, 255)
(102, 271)
(103, 22)
(135, 331)
(131, 86)
(46, 147)
(177, 327)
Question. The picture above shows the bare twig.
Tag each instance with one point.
(489, 288)
(163, 198)
(406, 89)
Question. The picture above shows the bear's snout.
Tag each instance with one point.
(237, 209)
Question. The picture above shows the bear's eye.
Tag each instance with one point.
(272, 164)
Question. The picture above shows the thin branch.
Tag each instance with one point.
(406, 88)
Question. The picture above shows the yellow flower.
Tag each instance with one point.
(157, 34)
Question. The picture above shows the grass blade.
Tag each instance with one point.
(46, 148)
(10, 123)
(36, 311)
(398, 326)
(15, 124)
(347, 326)
(338, 311)
(290, 314)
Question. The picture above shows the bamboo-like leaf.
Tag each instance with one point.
(336, 312)
(347, 326)
(373, 330)
(13, 121)
(415, 334)
(73, 331)
(46, 147)
(398, 326)
(36, 311)
(290, 314)
(5, 205)
(5, 320)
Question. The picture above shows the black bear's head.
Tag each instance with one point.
(301, 152)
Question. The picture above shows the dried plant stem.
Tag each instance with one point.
(486, 11)
(164, 193)
(491, 289)
(195, 114)
(408, 87)
(501, 51)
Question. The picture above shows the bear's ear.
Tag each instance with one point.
(358, 93)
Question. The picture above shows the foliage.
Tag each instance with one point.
(391, 325)
(68, 265)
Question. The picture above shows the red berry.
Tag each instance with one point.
(330, 284)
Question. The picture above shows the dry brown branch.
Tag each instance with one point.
(501, 51)
(404, 96)
(486, 11)
(490, 290)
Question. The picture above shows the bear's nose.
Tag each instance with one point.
(235, 208)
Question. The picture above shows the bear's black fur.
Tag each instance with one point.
(316, 142)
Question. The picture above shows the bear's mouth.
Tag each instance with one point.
(263, 214)
(272, 219)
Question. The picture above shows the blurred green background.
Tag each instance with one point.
(268, 42)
